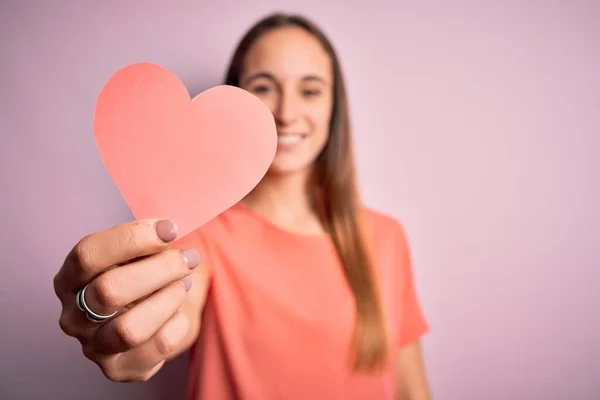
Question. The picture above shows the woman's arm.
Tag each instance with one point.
(412, 382)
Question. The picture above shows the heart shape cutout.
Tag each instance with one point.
(179, 158)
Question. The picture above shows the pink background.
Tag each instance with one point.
(476, 123)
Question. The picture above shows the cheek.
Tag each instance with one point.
(319, 118)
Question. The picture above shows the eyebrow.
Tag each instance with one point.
(267, 75)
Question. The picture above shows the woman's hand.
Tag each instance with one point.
(131, 270)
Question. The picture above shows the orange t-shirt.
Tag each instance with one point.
(279, 315)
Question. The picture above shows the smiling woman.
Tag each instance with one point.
(301, 292)
(292, 67)
(292, 73)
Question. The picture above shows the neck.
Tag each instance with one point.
(282, 198)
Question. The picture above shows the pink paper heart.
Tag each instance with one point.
(174, 157)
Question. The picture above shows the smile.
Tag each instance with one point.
(289, 139)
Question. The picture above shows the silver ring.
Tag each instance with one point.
(91, 315)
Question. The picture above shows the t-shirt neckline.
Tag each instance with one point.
(274, 227)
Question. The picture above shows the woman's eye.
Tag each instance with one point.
(311, 92)
(261, 89)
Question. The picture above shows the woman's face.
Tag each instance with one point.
(289, 70)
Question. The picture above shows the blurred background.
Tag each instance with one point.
(477, 124)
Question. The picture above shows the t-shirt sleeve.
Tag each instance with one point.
(412, 319)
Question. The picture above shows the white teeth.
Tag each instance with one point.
(290, 139)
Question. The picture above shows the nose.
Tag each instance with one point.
(287, 109)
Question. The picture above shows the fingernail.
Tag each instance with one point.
(191, 258)
(187, 283)
(166, 230)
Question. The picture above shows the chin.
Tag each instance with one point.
(280, 170)
(281, 167)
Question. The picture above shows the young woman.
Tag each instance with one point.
(296, 292)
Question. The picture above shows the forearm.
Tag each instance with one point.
(411, 377)
(422, 394)
(413, 391)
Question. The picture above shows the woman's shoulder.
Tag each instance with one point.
(381, 223)
(386, 233)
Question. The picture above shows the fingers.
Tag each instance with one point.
(124, 285)
(141, 363)
(136, 326)
(133, 346)
(99, 251)
(157, 349)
